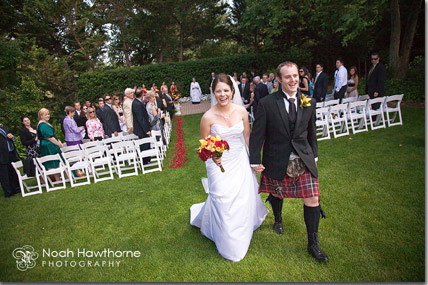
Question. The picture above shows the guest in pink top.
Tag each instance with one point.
(94, 126)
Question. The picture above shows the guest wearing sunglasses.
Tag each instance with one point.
(375, 82)
(108, 117)
(94, 126)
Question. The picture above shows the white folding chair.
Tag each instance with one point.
(75, 161)
(159, 142)
(320, 104)
(339, 119)
(65, 149)
(99, 160)
(392, 106)
(51, 185)
(153, 153)
(363, 97)
(129, 137)
(331, 103)
(125, 158)
(90, 144)
(108, 142)
(349, 100)
(23, 179)
(322, 123)
(379, 122)
(357, 116)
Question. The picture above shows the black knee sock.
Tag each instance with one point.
(312, 219)
(276, 204)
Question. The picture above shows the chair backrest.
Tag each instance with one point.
(392, 98)
(331, 102)
(349, 99)
(380, 100)
(46, 158)
(65, 149)
(357, 107)
(17, 166)
(339, 109)
(319, 104)
(322, 112)
(123, 147)
(90, 144)
(96, 151)
(111, 140)
(129, 137)
(363, 97)
(73, 156)
(144, 141)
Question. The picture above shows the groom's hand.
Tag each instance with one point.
(258, 168)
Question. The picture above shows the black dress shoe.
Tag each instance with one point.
(316, 252)
(277, 227)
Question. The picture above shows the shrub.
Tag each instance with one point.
(94, 84)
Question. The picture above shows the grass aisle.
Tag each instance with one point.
(372, 189)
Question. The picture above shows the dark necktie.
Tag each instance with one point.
(10, 146)
(292, 110)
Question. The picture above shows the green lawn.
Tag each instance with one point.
(372, 189)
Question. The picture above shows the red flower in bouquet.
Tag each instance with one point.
(212, 147)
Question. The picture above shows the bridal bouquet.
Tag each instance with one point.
(212, 147)
(175, 94)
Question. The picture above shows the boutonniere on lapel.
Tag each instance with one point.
(305, 101)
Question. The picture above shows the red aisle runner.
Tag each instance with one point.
(180, 154)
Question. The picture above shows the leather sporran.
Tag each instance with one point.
(295, 167)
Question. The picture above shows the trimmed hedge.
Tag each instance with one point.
(94, 84)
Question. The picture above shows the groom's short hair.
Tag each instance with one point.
(281, 65)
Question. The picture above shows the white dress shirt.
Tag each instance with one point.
(341, 78)
(316, 76)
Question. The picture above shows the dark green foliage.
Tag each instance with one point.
(94, 84)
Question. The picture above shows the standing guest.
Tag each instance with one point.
(127, 108)
(153, 111)
(271, 77)
(340, 80)
(267, 83)
(154, 87)
(158, 101)
(260, 92)
(250, 103)
(141, 120)
(375, 82)
(144, 89)
(82, 121)
(173, 88)
(195, 91)
(235, 77)
(28, 136)
(117, 107)
(320, 83)
(49, 144)
(304, 81)
(352, 82)
(167, 101)
(94, 126)
(275, 86)
(211, 81)
(8, 154)
(88, 104)
(285, 128)
(73, 133)
(77, 107)
(252, 75)
(109, 118)
(244, 88)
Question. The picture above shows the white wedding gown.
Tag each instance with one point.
(233, 209)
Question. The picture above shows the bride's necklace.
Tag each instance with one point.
(226, 117)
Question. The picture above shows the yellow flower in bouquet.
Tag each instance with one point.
(305, 101)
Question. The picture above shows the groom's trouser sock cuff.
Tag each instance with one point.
(312, 219)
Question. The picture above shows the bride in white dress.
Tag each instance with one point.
(233, 209)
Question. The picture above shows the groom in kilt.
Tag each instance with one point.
(285, 127)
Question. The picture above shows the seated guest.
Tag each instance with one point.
(28, 136)
(8, 154)
(82, 121)
(73, 133)
(94, 126)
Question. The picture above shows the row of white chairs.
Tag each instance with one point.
(97, 160)
(357, 115)
(344, 101)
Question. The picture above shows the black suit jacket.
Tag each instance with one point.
(141, 120)
(169, 103)
(260, 92)
(376, 81)
(109, 119)
(4, 150)
(210, 81)
(246, 93)
(271, 130)
(320, 87)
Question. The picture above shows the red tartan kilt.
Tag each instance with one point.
(303, 186)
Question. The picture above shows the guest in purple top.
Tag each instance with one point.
(73, 133)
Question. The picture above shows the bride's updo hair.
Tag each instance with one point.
(224, 78)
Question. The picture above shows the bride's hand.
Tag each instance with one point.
(258, 168)
(217, 160)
